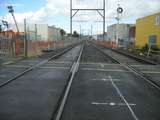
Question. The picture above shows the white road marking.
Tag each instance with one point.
(107, 64)
(152, 72)
(112, 104)
(101, 65)
(16, 66)
(29, 61)
(141, 65)
(21, 66)
(105, 80)
(58, 62)
(123, 98)
(92, 69)
(54, 67)
(7, 63)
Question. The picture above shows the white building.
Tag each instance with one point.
(100, 37)
(119, 33)
(42, 31)
(54, 33)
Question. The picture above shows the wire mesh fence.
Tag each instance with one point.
(14, 46)
(6, 47)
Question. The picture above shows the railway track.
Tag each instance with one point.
(74, 69)
(140, 59)
(132, 57)
(148, 79)
(75, 104)
(28, 69)
(60, 70)
(94, 80)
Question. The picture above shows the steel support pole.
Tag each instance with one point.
(15, 22)
(98, 10)
(25, 40)
(80, 32)
(35, 32)
(91, 30)
(104, 16)
(71, 18)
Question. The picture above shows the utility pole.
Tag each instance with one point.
(25, 39)
(10, 8)
(80, 32)
(119, 11)
(91, 30)
(71, 18)
(101, 12)
(104, 18)
(35, 32)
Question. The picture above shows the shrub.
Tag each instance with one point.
(145, 48)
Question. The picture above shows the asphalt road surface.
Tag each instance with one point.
(108, 91)
(34, 96)
(101, 89)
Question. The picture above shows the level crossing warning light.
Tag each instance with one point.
(120, 10)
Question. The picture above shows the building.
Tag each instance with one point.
(8, 34)
(132, 33)
(41, 32)
(148, 30)
(100, 37)
(119, 33)
(34, 31)
(54, 33)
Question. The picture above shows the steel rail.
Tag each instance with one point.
(148, 79)
(106, 54)
(34, 66)
(73, 71)
(139, 59)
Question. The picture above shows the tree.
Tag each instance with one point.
(69, 35)
(0, 28)
(75, 34)
(62, 32)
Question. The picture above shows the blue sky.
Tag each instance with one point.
(25, 5)
(56, 12)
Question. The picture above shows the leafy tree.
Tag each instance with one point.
(75, 34)
(0, 28)
(62, 32)
(145, 48)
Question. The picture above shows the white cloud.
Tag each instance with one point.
(132, 9)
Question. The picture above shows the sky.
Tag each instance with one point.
(57, 12)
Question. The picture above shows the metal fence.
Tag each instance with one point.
(6, 47)
(35, 47)
(15, 45)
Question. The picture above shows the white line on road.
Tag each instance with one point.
(54, 67)
(101, 65)
(120, 94)
(105, 70)
(107, 64)
(152, 72)
(104, 79)
(112, 104)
